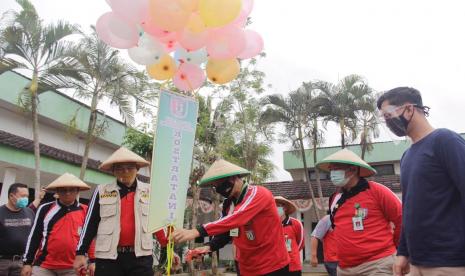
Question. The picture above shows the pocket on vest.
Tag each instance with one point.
(147, 241)
(107, 210)
(103, 242)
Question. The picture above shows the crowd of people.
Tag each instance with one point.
(368, 229)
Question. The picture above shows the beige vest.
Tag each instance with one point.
(109, 227)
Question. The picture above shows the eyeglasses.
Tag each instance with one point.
(390, 111)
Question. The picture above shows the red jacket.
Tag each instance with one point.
(380, 207)
(294, 232)
(55, 235)
(260, 238)
(330, 247)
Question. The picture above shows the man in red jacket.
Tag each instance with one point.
(252, 222)
(293, 233)
(362, 217)
(51, 247)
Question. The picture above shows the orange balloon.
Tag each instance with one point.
(164, 69)
(169, 15)
(190, 5)
(221, 71)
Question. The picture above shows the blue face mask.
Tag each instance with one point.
(338, 177)
(281, 211)
(22, 202)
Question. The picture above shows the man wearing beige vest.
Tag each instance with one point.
(117, 218)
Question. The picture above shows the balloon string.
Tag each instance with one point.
(169, 249)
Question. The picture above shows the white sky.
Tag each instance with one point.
(391, 43)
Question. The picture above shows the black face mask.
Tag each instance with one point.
(225, 189)
(398, 125)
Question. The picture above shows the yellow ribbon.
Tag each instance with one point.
(169, 250)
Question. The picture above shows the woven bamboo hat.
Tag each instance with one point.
(67, 180)
(222, 169)
(290, 206)
(123, 155)
(347, 157)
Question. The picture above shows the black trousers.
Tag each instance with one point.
(295, 273)
(127, 264)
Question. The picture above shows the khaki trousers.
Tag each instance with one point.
(436, 271)
(380, 267)
(40, 271)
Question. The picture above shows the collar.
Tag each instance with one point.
(286, 220)
(242, 195)
(361, 186)
(74, 205)
(126, 188)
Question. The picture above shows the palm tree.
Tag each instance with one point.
(40, 49)
(295, 112)
(340, 103)
(104, 75)
(367, 123)
(315, 134)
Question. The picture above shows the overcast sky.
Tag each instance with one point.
(391, 43)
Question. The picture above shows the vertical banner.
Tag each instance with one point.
(171, 159)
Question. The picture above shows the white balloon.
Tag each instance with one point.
(148, 51)
(195, 57)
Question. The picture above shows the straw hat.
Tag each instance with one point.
(222, 169)
(290, 206)
(67, 180)
(123, 155)
(346, 156)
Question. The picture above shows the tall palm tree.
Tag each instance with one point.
(294, 111)
(104, 75)
(367, 123)
(315, 133)
(339, 103)
(40, 49)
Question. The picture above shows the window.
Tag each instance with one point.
(323, 175)
(385, 169)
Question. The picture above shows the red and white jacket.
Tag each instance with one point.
(260, 233)
(55, 234)
(381, 210)
(294, 234)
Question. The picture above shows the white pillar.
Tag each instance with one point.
(308, 231)
(8, 179)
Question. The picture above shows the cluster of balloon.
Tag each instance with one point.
(183, 40)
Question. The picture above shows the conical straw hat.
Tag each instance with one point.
(222, 169)
(123, 155)
(290, 206)
(67, 180)
(346, 156)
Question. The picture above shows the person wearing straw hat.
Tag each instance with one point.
(117, 219)
(293, 233)
(51, 246)
(249, 219)
(363, 216)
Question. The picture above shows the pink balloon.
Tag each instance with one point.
(189, 77)
(227, 42)
(149, 27)
(192, 41)
(133, 11)
(116, 32)
(253, 46)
